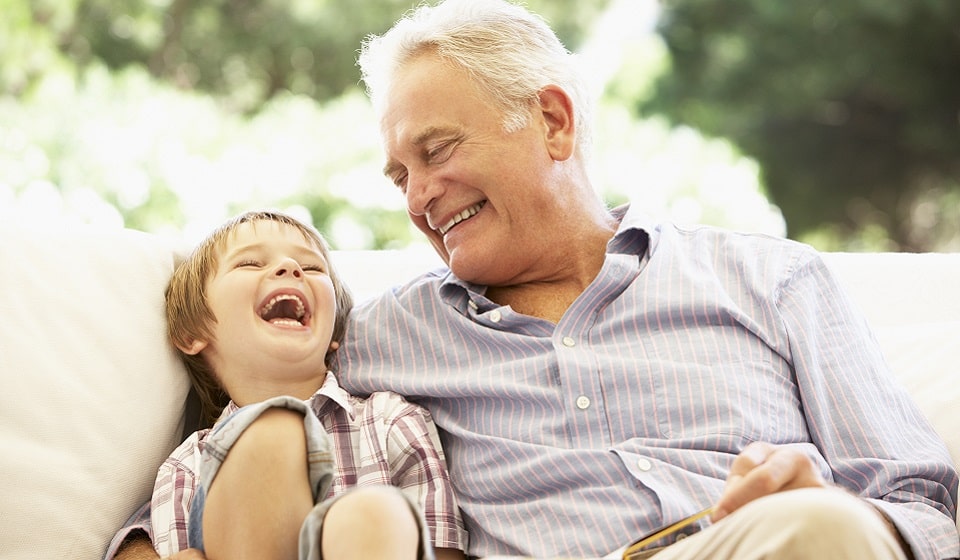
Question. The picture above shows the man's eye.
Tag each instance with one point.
(440, 153)
(401, 182)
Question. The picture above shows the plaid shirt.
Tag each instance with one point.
(379, 440)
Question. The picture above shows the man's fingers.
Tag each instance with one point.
(751, 457)
(763, 469)
(188, 554)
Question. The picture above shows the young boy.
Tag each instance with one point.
(256, 312)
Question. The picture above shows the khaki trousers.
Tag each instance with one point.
(810, 524)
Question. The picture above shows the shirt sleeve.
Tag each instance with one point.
(138, 523)
(172, 494)
(873, 436)
(420, 470)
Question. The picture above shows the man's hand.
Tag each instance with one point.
(138, 547)
(188, 554)
(762, 469)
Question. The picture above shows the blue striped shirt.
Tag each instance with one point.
(576, 438)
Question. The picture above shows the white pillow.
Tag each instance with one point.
(925, 358)
(92, 396)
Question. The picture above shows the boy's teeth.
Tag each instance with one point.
(299, 311)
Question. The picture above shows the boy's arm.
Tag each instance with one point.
(413, 433)
(158, 519)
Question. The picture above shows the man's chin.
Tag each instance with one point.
(440, 247)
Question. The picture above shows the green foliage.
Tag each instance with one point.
(170, 115)
(851, 108)
(244, 51)
(113, 113)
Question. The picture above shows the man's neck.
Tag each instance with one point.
(549, 298)
(546, 302)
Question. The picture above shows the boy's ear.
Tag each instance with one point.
(193, 348)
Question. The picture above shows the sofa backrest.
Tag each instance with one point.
(93, 395)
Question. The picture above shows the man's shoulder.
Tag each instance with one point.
(733, 244)
(742, 257)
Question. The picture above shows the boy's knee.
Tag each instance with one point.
(371, 522)
(274, 428)
(372, 505)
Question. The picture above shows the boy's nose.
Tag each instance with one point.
(289, 266)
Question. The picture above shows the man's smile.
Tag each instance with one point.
(461, 216)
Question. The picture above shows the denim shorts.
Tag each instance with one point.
(320, 470)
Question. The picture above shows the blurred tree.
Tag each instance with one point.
(851, 108)
(245, 51)
(169, 115)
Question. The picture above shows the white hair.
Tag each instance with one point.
(510, 52)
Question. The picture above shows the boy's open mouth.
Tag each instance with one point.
(285, 309)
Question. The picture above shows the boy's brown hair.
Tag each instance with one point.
(189, 316)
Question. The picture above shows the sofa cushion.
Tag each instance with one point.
(92, 394)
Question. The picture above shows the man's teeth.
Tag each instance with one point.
(466, 213)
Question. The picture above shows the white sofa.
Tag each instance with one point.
(93, 397)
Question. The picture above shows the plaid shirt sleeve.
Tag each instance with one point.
(411, 450)
(164, 518)
(138, 523)
(172, 494)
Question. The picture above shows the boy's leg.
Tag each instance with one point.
(261, 471)
(367, 522)
(261, 494)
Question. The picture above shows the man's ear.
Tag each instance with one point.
(558, 117)
(193, 348)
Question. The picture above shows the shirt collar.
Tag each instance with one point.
(637, 233)
(329, 394)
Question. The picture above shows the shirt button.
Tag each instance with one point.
(569, 342)
(583, 402)
(643, 464)
(495, 316)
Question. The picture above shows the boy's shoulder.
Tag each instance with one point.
(388, 404)
(186, 456)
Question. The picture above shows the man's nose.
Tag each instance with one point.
(421, 192)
